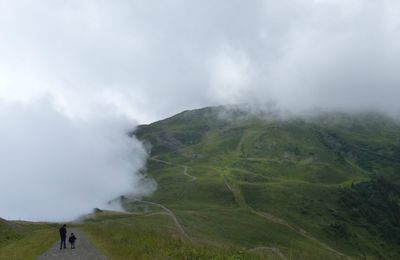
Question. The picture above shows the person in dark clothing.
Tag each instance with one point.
(63, 236)
(71, 240)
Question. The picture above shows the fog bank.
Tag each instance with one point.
(56, 168)
(154, 59)
(75, 74)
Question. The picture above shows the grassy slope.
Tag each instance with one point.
(264, 189)
(24, 240)
(152, 236)
(292, 170)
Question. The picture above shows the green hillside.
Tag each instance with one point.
(325, 186)
(25, 240)
(239, 185)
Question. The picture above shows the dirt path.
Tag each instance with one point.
(168, 212)
(273, 249)
(184, 167)
(240, 144)
(84, 249)
(242, 203)
(239, 198)
(185, 172)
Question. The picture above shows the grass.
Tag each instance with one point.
(152, 237)
(293, 169)
(265, 188)
(32, 241)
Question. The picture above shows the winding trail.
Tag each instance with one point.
(85, 250)
(273, 249)
(239, 198)
(168, 212)
(242, 203)
(184, 167)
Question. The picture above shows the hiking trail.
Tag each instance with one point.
(184, 167)
(242, 203)
(168, 212)
(84, 249)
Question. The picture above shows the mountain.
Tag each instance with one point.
(325, 185)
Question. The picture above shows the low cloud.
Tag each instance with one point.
(76, 69)
(56, 168)
(152, 60)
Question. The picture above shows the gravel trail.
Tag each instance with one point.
(84, 249)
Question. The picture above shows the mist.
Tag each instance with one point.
(154, 59)
(75, 76)
(56, 168)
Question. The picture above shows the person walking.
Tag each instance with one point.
(63, 236)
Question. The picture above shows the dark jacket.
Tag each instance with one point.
(63, 232)
(72, 239)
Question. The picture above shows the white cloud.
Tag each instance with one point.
(155, 57)
(55, 168)
(231, 74)
(148, 60)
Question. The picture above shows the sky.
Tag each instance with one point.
(79, 73)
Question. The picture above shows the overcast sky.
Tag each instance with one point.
(72, 64)
(151, 59)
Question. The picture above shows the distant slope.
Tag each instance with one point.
(326, 186)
